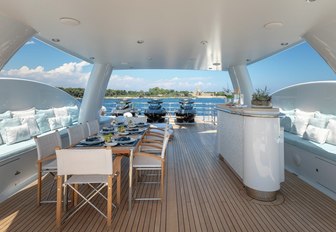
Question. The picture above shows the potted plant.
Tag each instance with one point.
(261, 98)
(228, 94)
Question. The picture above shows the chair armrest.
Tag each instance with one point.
(49, 157)
(152, 141)
(155, 128)
(158, 146)
(148, 155)
(154, 134)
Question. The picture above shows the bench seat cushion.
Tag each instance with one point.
(10, 151)
(325, 150)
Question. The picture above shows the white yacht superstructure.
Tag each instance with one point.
(215, 35)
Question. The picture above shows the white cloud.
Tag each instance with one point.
(126, 82)
(30, 42)
(67, 75)
(135, 83)
(185, 83)
(73, 75)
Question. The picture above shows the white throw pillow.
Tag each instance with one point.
(287, 122)
(66, 121)
(5, 123)
(299, 125)
(325, 116)
(24, 113)
(73, 112)
(59, 122)
(42, 122)
(304, 114)
(49, 113)
(32, 125)
(55, 123)
(17, 134)
(287, 112)
(316, 134)
(6, 115)
(332, 132)
(318, 122)
(61, 112)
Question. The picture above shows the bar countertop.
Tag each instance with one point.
(248, 111)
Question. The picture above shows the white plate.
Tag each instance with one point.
(99, 140)
(112, 144)
(106, 132)
(123, 133)
(124, 142)
(138, 131)
(141, 125)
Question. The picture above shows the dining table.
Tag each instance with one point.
(120, 149)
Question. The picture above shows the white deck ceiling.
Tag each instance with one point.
(172, 30)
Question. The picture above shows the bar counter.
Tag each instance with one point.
(250, 141)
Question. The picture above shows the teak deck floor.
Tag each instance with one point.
(201, 194)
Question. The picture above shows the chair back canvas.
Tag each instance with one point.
(76, 134)
(85, 130)
(84, 162)
(45, 144)
(93, 127)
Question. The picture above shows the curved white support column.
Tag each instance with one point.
(233, 78)
(14, 34)
(95, 92)
(241, 80)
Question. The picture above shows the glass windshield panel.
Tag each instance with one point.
(295, 65)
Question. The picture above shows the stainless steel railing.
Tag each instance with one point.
(207, 110)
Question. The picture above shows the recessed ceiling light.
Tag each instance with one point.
(310, 0)
(204, 42)
(273, 25)
(55, 40)
(140, 41)
(284, 44)
(69, 21)
(216, 64)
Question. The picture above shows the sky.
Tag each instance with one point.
(41, 62)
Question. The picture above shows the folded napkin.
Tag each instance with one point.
(92, 139)
(123, 139)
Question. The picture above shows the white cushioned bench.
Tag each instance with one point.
(29, 101)
(325, 150)
(310, 145)
(13, 150)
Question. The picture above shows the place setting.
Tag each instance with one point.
(92, 141)
(121, 141)
(135, 130)
(108, 130)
